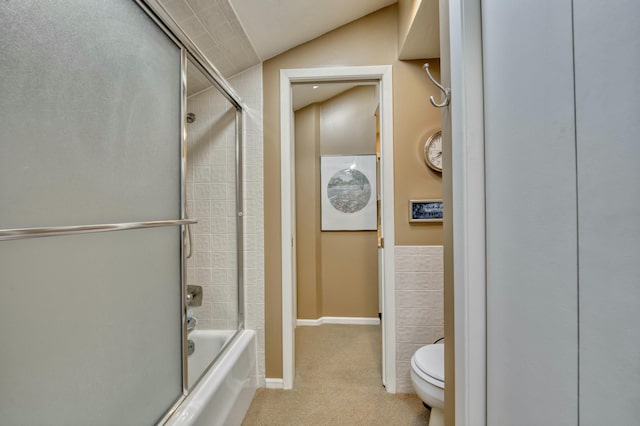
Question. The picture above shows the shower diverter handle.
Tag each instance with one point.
(194, 295)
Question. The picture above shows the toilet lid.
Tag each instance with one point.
(430, 360)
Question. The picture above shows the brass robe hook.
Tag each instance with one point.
(445, 91)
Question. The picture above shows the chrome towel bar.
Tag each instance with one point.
(22, 233)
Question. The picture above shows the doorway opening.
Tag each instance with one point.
(379, 77)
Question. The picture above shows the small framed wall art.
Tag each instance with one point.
(425, 211)
(348, 192)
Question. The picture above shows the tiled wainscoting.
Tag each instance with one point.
(419, 305)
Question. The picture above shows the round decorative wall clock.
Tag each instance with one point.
(433, 152)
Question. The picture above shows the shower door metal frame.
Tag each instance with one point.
(189, 51)
(185, 229)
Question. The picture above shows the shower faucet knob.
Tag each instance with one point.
(194, 295)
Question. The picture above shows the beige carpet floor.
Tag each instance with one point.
(338, 382)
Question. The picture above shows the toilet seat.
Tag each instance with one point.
(428, 363)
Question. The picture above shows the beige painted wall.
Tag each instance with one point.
(372, 40)
(418, 29)
(348, 122)
(337, 272)
(308, 249)
(349, 259)
(407, 10)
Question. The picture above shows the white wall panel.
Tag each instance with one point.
(608, 130)
(531, 213)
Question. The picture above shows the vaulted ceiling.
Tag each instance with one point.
(237, 34)
(274, 26)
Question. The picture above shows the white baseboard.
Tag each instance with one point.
(310, 322)
(274, 383)
(338, 320)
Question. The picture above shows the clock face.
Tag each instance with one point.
(433, 152)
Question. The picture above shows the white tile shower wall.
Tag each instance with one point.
(419, 305)
(248, 85)
(211, 201)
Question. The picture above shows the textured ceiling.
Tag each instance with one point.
(237, 34)
(214, 28)
(196, 81)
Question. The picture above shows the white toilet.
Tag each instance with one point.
(427, 376)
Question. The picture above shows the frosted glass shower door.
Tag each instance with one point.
(90, 134)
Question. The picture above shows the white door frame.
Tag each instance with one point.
(468, 180)
(383, 74)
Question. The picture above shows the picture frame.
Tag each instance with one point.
(348, 193)
(426, 210)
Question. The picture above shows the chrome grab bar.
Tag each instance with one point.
(188, 229)
(190, 252)
(22, 233)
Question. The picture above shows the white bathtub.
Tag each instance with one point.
(223, 395)
(208, 344)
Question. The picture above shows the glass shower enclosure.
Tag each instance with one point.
(98, 206)
(213, 195)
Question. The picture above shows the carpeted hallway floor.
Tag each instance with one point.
(338, 382)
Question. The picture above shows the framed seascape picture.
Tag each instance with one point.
(348, 193)
(425, 211)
